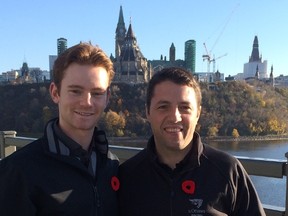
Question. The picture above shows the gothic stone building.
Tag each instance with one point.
(129, 63)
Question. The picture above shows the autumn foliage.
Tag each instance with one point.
(228, 109)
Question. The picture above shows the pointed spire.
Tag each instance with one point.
(130, 33)
(172, 52)
(272, 83)
(121, 17)
(255, 51)
(271, 73)
(257, 72)
(121, 23)
(120, 34)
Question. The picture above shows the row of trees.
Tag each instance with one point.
(257, 109)
(228, 109)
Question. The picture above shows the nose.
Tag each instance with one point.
(175, 115)
(86, 100)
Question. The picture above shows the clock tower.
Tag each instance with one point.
(130, 65)
(120, 34)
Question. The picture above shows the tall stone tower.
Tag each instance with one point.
(271, 78)
(172, 53)
(130, 65)
(255, 64)
(120, 34)
(24, 70)
(255, 57)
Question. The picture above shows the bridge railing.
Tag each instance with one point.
(9, 143)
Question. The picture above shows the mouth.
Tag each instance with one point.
(173, 129)
(84, 113)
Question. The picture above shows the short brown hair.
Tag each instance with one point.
(176, 75)
(83, 54)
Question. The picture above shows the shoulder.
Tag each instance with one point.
(218, 156)
(28, 150)
(133, 163)
(22, 164)
(222, 161)
(23, 156)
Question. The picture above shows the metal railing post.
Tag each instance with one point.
(3, 135)
(286, 171)
(2, 144)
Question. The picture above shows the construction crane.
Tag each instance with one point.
(207, 57)
(214, 60)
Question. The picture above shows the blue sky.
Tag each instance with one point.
(29, 29)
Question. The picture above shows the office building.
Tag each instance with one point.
(61, 45)
(190, 53)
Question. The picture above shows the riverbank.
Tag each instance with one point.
(216, 138)
(247, 138)
(142, 141)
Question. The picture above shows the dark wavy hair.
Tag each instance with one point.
(176, 75)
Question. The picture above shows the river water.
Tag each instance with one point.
(271, 191)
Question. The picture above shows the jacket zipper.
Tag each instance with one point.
(97, 200)
(171, 196)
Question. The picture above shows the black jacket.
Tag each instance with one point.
(42, 180)
(206, 182)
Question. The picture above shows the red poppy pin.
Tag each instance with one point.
(115, 183)
(188, 186)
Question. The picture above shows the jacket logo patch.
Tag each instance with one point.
(196, 202)
(61, 197)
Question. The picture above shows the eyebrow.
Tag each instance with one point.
(168, 102)
(81, 87)
(163, 102)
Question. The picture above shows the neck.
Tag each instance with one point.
(83, 138)
(172, 157)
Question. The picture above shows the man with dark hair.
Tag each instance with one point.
(68, 171)
(177, 175)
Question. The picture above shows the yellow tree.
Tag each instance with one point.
(256, 127)
(235, 133)
(275, 126)
(113, 123)
(212, 131)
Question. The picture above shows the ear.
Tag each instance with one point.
(54, 92)
(108, 96)
(147, 113)
(199, 111)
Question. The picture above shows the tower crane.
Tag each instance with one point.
(207, 57)
(214, 61)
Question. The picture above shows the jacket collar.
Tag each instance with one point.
(60, 143)
(190, 161)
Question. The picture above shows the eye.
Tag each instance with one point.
(75, 91)
(162, 107)
(185, 108)
(95, 94)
